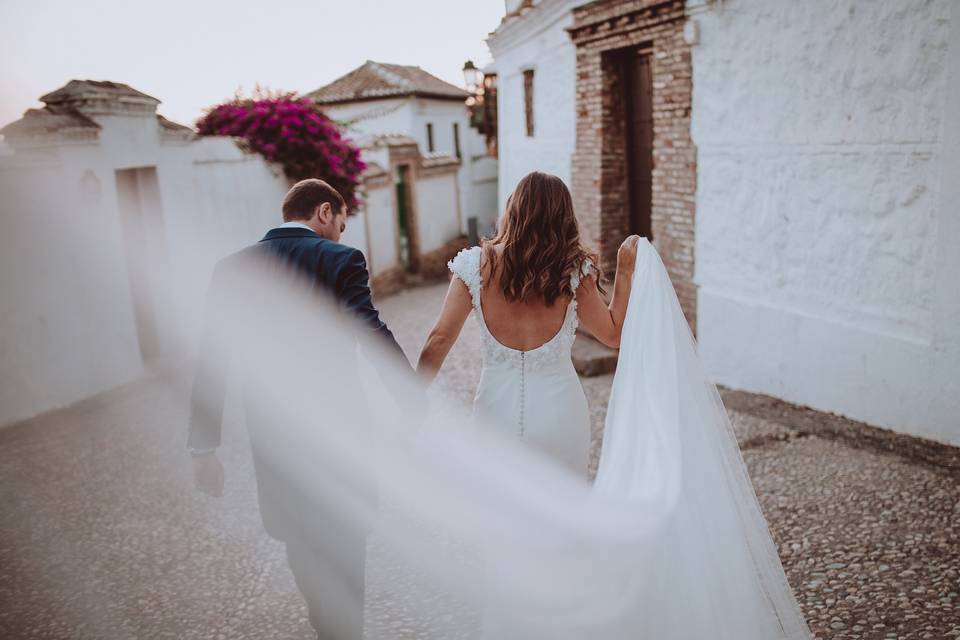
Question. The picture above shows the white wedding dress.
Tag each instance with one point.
(534, 395)
(694, 557)
(669, 542)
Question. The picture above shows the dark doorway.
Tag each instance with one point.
(638, 115)
(141, 221)
(409, 256)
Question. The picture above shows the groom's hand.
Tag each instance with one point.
(208, 474)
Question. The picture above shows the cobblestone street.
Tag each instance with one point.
(103, 536)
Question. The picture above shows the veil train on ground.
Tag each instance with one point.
(669, 542)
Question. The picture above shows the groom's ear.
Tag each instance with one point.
(322, 211)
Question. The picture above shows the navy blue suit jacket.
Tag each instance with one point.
(336, 268)
(326, 266)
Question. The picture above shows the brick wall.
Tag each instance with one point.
(599, 180)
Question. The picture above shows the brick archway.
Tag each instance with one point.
(615, 186)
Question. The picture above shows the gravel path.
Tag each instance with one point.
(102, 535)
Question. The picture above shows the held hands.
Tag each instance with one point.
(627, 255)
(208, 474)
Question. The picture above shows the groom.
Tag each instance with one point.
(328, 565)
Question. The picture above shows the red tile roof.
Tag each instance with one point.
(67, 109)
(47, 120)
(170, 125)
(375, 80)
(95, 89)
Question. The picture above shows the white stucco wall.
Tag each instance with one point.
(474, 191)
(825, 240)
(229, 195)
(355, 234)
(482, 202)
(436, 211)
(536, 41)
(945, 342)
(55, 345)
(390, 115)
(384, 251)
(442, 115)
(409, 117)
(68, 323)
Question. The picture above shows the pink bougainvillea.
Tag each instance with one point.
(291, 131)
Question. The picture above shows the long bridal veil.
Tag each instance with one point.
(669, 542)
(469, 526)
(712, 570)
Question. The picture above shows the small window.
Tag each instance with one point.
(528, 100)
(456, 139)
(429, 137)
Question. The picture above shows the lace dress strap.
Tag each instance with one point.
(584, 269)
(466, 266)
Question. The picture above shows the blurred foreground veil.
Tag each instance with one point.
(669, 542)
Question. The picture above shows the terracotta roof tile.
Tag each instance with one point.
(376, 140)
(94, 89)
(373, 80)
(47, 120)
(438, 159)
(170, 125)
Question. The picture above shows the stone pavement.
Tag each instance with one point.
(102, 535)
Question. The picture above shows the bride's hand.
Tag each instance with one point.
(627, 255)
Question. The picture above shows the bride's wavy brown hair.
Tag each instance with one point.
(541, 242)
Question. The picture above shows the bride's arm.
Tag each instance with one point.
(456, 308)
(603, 321)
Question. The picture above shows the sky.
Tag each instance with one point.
(191, 55)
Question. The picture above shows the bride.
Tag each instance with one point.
(530, 287)
(696, 558)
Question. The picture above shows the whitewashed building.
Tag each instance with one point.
(112, 218)
(799, 165)
(380, 99)
(828, 205)
(532, 39)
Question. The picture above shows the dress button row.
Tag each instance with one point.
(523, 367)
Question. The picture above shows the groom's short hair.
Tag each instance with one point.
(307, 195)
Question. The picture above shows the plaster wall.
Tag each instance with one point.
(825, 211)
(361, 119)
(410, 116)
(477, 191)
(69, 328)
(537, 41)
(482, 193)
(437, 217)
(384, 251)
(230, 200)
